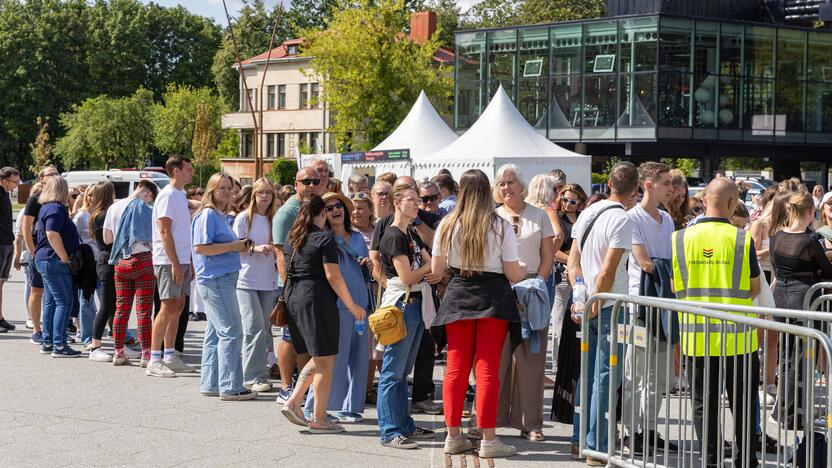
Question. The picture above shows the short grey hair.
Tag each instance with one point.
(426, 184)
(501, 174)
(356, 179)
(559, 176)
(541, 190)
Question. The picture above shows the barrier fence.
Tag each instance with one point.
(724, 414)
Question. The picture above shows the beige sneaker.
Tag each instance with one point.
(121, 360)
(159, 369)
(177, 365)
(458, 445)
(259, 387)
(497, 449)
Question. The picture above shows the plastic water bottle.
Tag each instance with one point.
(578, 299)
(360, 326)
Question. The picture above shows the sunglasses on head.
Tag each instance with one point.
(569, 202)
(337, 205)
(429, 198)
(309, 182)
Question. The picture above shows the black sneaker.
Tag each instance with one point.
(422, 434)
(193, 317)
(46, 349)
(771, 444)
(65, 352)
(202, 316)
(3, 330)
(6, 325)
(71, 329)
(401, 442)
(661, 443)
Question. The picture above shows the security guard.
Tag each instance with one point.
(714, 261)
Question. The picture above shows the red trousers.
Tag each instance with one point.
(134, 277)
(471, 342)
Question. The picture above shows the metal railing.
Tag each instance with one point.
(637, 324)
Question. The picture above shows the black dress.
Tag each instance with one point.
(314, 322)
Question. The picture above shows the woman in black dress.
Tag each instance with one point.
(313, 287)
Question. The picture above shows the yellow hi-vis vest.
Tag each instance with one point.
(711, 264)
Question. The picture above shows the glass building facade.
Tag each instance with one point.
(648, 78)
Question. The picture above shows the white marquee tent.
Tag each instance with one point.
(501, 136)
(422, 132)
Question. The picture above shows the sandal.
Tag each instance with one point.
(316, 427)
(533, 436)
(294, 414)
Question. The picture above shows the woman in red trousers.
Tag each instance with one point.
(481, 259)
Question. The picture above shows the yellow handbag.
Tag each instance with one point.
(387, 323)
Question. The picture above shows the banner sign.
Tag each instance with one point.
(376, 156)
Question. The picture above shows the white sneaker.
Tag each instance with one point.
(121, 360)
(178, 366)
(767, 398)
(99, 355)
(259, 387)
(771, 389)
(159, 369)
(29, 324)
(132, 353)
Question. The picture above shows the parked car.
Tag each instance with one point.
(758, 183)
(123, 181)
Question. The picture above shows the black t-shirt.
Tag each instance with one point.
(318, 248)
(395, 243)
(430, 219)
(32, 209)
(566, 226)
(6, 218)
(98, 233)
(799, 256)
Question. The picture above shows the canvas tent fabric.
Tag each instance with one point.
(501, 136)
(421, 132)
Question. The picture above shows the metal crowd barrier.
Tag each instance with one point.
(800, 424)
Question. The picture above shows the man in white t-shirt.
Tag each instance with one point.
(603, 237)
(652, 233)
(172, 265)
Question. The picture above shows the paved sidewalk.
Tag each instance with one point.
(74, 412)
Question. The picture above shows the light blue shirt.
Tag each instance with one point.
(210, 227)
(447, 205)
(351, 271)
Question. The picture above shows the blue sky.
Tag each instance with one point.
(210, 8)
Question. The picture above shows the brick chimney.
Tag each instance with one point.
(422, 26)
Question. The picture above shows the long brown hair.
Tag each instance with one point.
(475, 215)
(779, 216)
(261, 184)
(101, 196)
(799, 204)
(577, 190)
(312, 207)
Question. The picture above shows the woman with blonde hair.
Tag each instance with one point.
(257, 282)
(216, 263)
(478, 250)
(57, 240)
(83, 220)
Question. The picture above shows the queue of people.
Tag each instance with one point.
(455, 258)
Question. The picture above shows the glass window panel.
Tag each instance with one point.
(468, 103)
(534, 53)
(637, 111)
(758, 110)
(532, 101)
(819, 67)
(271, 99)
(566, 49)
(706, 83)
(270, 144)
(674, 99)
(675, 45)
(601, 47)
(791, 45)
(705, 48)
(599, 111)
(759, 51)
(565, 109)
(639, 40)
(730, 96)
(470, 55)
(819, 112)
(502, 55)
(303, 96)
(730, 49)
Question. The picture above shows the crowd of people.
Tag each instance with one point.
(481, 273)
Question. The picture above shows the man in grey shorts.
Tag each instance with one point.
(9, 180)
(172, 265)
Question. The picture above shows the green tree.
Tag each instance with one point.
(175, 120)
(253, 31)
(371, 99)
(448, 17)
(501, 13)
(41, 149)
(105, 132)
(304, 15)
(229, 145)
(283, 171)
(687, 165)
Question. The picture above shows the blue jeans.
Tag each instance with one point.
(600, 385)
(222, 364)
(58, 296)
(86, 315)
(393, 406)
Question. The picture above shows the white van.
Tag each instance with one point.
(123, 181)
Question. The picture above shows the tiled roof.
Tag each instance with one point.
(443, 55)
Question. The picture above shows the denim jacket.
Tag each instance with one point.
(657, 284)
(534, 315)
(136, 226)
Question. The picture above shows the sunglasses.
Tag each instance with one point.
(569, 202)
(429, 198)
(338, 205)
(360, 196)
(308, 182)
(382, 194)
